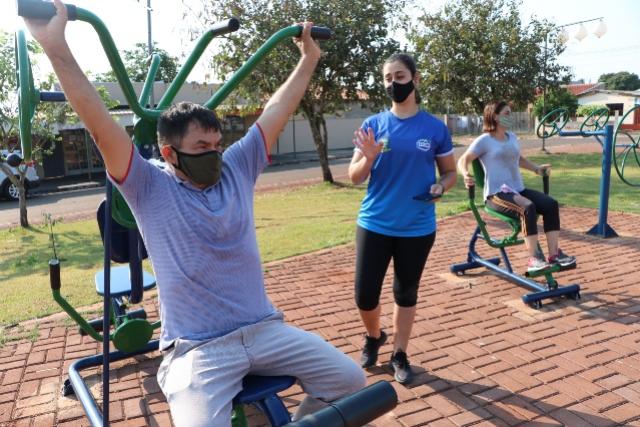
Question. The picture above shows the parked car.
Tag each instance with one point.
(7, 189)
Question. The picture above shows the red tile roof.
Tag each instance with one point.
(578, 89)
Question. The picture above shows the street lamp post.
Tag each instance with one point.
(564, 36)
(150, 48)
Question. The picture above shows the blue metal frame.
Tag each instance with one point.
(97, 418)
(602, 228)
(541, 292)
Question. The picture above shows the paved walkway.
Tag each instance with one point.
(481, 356)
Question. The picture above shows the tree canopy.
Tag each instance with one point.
(136, 62)
(45, 117)
(349, 68)
(472, 52)
(557, 98)
(622, 80)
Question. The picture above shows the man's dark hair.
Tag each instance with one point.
(174, 122)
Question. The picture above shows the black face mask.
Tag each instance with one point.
(203, 169)
(399, 92)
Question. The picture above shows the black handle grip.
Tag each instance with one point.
(318, 33)
(224, 27)
(37, 9)
(52, 97)
(14, 160)
(354, 410)
(472, 192)
(54, 274)
(545, 184)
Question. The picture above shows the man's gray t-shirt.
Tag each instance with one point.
(202, 243)
(500, 161)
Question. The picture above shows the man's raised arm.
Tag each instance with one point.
(285, 100)
(112, 140)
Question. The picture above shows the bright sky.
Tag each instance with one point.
(617, 50)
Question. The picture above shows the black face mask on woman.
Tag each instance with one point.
(399, 92)
(204, 168)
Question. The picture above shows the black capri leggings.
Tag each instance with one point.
(373, 254)
(526, 206)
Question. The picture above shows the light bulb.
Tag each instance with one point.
(601, 29)
(563, 36)
(582, 33)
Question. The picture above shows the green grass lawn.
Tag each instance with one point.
(288, 223)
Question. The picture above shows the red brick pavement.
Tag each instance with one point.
(481, 357)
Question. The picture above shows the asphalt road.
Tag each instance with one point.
(78, 204)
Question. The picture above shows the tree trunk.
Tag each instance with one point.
(326, 171)
(320, 139)
(24, 220)
(19, 183)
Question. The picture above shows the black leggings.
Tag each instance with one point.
(373, 254)
(526, 206)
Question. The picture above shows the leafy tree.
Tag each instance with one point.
(136, 62)
(9, 116)
(622, 80)
(472, 52)
(558, 98)
(349, 67)
(45, 117)
(585, 110)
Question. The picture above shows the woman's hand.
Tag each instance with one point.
(543, 170)
(468, 180)
(437, 189)
(366, 143)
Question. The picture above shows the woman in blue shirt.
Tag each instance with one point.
(398, 150)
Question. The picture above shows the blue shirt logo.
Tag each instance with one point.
(423, 144)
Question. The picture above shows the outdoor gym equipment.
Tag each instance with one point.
(28, 97)
(550, 289)
(596, 120)
(553, 123)
(622, 150)
(131, 331)
(144, 130)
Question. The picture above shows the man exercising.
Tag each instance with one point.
(196, 219)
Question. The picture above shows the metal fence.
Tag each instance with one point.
(472, 123)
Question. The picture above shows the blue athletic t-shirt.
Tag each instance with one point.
(404, 169)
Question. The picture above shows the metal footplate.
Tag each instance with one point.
(534, 299)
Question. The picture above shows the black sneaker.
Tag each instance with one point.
(562, 259)
(369, 355)
(401, 367)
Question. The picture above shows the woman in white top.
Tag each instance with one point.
(499, 153)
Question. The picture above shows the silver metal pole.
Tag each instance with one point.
(150, 47)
